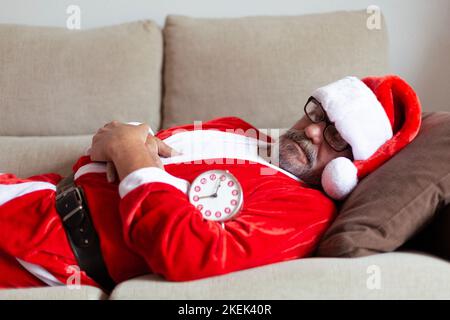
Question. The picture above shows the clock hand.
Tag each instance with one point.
(213, 195)
(217, 189)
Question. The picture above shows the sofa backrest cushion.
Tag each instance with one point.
(55, 81)
(263, 69)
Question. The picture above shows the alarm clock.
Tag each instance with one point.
(217, 194)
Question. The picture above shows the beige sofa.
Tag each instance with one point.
(59, 86)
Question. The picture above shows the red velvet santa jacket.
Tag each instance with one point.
(147, 224)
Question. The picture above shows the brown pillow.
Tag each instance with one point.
(435, 237)
(396, 201)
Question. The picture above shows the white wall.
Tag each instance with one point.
(419, 29)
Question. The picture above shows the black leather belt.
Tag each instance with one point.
(72, 208)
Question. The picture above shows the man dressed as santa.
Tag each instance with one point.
(199, 201)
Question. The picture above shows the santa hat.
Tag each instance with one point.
(377, 116)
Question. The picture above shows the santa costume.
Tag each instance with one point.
(150, 222)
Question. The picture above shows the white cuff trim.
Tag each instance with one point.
(149, 175)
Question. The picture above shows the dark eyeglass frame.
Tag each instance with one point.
(329, 125)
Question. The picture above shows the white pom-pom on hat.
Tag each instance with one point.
(339, 178)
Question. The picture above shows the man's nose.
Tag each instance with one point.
(315, 132)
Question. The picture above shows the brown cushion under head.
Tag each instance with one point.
(399, 199)
(435, 237)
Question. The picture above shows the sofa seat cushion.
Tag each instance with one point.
(402, 275)
(53, 293)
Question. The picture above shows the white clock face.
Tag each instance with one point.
(217, 194)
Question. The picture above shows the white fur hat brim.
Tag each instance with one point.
(357, 114)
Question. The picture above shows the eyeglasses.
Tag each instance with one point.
(316, 114)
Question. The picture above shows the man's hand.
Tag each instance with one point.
(163, 150)
(114, 137)
(127, 148)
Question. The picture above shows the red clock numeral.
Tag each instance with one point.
(227, 210)
(233, 202)
(234, 192)
(197, 188)
(195, 198)
(212, 177)
(200, 207)
(230, 183)
(207, 213)
(218, 214)
(222, 178)
(203, 180)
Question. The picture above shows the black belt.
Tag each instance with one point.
(72, 208)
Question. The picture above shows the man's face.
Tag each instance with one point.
(305, 153)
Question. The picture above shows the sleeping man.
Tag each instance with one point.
(193, 202)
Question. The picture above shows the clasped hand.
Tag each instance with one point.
(127, 147)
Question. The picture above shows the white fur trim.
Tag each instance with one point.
(149, 175)
(13, 191)
(357, 114)
(199, 145)
(339, 178)
(90, 167)
(40, 273)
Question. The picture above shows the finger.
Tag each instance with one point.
(111, 173)
(111, 123)
(165, 150)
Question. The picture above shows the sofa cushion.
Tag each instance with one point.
(396, 275)
(53, 293)
(262, 69)
(27, 156)
(56, 81)
(399, 199)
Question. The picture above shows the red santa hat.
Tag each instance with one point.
(377, 116)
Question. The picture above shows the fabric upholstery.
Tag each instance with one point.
(27, 156)
(263, 69)
(402, 275)
(54, 293)
(56, 81)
